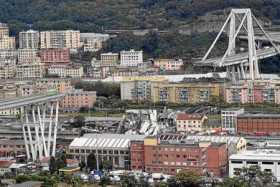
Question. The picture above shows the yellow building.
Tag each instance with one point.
(181, 93)
(4, 30)
(6, 42)
(7, 71)
(109, 59)
(61, 85)
(25, 71)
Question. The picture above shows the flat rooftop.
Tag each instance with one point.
(258, 155)
(258, 115)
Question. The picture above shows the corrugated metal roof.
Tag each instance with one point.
(105, 140)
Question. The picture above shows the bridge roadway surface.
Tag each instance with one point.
(275, 37)
(238, 58)
(25, 101)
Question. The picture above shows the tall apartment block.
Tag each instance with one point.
(29, 39)
(6, 42)
(4, 30)
(60, 39)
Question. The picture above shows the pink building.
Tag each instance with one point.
(169, 64)
(55, 56)
(253, 92)
(76, 99)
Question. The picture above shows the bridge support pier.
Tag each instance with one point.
(240, 20)
(40, 132)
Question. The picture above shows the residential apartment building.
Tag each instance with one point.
(8, 90)
(76, 99)
(125, 71)
(190, 122)
(8, 71)
(55, 56)
(169, 64)
(61, 85)
(4, 30)
(267, 160)
(138, 88)
(109, 59)
(8, 54)
(169, 157)
(229, 118)
(66, 70)
(7, 42)
(113, 147)
(11, 148)
(99, 71)
(29, 39)
(258, 124)
(26, 56)
(60, 39)
(131, 58)
(193, 92)
(29, 71)
(93, 42)
(253, 92)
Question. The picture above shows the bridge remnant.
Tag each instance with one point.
(239, 67)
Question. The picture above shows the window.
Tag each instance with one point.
(236, 162)
(252, 162)
(267, 163)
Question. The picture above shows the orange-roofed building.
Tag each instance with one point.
(190, 122)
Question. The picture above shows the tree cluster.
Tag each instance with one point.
(46, 178)
(57, 163)
(102, 89)
(89, 16)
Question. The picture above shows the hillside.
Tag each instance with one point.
(192, 17)
(95, 15)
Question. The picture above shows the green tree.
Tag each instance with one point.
(104, 181)
(171, 182)
(52, 165)
(91, 161)
(187, 178)
(107, 165)
(234, 182)
(82, 165)
(252, 176)
(76, 182)
(128, 181)
(22, 178)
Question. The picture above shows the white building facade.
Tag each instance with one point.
(113, 147)
(229, 118)
(131, 58)
(29, 39)
(267, 160)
